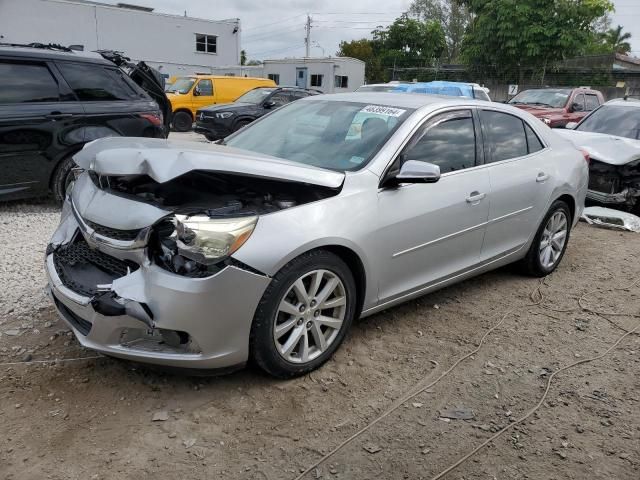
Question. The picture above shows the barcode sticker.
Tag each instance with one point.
(386, 111)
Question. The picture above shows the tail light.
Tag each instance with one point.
(154, 118)
(586, 156)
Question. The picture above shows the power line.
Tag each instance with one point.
(265, 35)
(274, 23)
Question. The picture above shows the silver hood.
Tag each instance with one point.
(164, 160)
(604, 147)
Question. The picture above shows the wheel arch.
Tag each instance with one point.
(571, 202)
(353, 261)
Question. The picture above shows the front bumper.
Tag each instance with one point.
(214, 312)
(622, 198)
(211, 129)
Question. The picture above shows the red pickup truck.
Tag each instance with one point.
(558, 106)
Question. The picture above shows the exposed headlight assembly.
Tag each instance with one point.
(208, 240)
(223, 114)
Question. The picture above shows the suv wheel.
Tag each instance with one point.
(303, 315)
(550, 242)
(241, 124)
(62, 179)
(182, 121)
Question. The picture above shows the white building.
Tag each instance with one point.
(329, 74)
(173, 44)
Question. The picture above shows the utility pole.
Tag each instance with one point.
(307, 39)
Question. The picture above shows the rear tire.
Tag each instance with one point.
(182, 121)
(211, 138)
(290, 336)
(62, 179)
(550, 243)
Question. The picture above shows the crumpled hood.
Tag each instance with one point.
(164, 160)
(604, 147)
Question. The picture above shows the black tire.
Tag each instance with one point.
(211, 138)
(241, 124)
(62, 179)
(262, 346)
(531, 264)
(182, 121)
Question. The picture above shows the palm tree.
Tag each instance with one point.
(618, 40)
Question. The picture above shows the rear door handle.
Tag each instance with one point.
(542, 177)
(58, 115)
(475, 197)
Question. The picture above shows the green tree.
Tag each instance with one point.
(454, 17)
(363, 49)
(243, 57)
(618, 41)
(409, 42)
(509, 36)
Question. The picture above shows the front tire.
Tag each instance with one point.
(550, 243)
(62, 179)
(241, 124)
(303, 315)
(182, 122)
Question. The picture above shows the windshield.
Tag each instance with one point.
(545, 98)
(376, 88)
(623, 121)
(334, 135)
(256, 95)
(182, 85)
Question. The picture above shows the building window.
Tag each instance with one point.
(206, 43)
(341, 81)
(275, 77)
(316, 80)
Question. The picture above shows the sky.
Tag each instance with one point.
(275, 28)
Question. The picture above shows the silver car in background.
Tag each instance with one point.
(268, 246)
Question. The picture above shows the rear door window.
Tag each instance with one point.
(533, 142)
(27, 83)
(505, 136)
(592, 102)
(95, 83)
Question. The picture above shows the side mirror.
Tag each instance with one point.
(269, 105)
(571, 125)
(577, 107)
(414, 171)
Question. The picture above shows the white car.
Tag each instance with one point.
(611, 137)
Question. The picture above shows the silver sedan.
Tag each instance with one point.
(267, 246)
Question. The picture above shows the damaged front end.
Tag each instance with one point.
(141, 266)
(615, 184)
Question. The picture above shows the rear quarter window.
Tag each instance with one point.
(96, 83)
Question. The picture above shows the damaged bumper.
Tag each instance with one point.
(123, 305)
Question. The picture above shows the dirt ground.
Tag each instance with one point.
(94, 419)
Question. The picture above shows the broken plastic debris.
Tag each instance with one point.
(610, 218)
(459, 413)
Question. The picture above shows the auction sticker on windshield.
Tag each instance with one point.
(386, 111)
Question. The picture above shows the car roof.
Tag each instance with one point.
(48, 54)
(393, 99)
(627, 102)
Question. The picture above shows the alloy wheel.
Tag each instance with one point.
(553, 239)
(310, 316)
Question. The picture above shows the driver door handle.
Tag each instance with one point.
(475, 197)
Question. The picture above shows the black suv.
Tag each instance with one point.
(218, 121)
(54, 100)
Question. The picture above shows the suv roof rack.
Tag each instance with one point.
(119, 58)
(44, 46)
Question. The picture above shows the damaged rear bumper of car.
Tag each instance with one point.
(123, 305)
